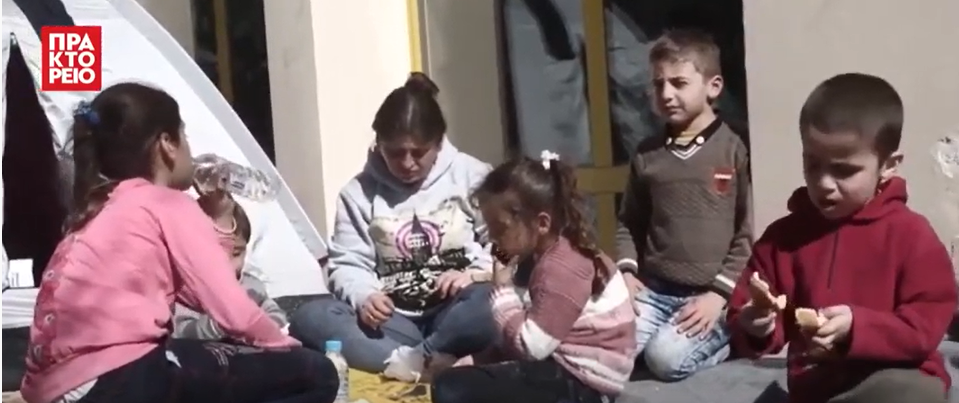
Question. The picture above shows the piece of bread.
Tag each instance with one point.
(762, 297)
(809, 319)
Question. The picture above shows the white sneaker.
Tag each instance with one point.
(405, 364)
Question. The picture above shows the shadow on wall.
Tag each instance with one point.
(32, 211)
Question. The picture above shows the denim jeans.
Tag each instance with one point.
(668, 354)
(546, 51)
(196, 371)
(462, 326)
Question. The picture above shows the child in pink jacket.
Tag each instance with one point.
(135, 245)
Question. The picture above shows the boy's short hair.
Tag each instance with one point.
(243, 227)
(688, 45)
(859, 103)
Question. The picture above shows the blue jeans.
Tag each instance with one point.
(462, 326)
(671, 355)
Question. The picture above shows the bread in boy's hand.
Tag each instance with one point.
(809, 320)
(762, 297)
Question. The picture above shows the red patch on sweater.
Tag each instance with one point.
(723, 179)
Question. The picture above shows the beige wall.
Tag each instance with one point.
(461, 56)
(331, 64)
(793, 45)
(176, 16)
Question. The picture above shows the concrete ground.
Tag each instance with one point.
(742, 381)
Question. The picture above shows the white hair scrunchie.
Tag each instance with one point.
(548, 157)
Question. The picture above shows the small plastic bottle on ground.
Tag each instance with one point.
(333, 352)
(212, 171)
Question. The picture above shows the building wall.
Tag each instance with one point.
(176, 16)
(331, 64)
(791, 46)
(461, 56)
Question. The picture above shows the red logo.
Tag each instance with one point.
(70, 58)
(723, 179)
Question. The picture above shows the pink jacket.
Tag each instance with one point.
(107, 294)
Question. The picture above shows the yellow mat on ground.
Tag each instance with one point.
(363, 386)
(375, 389)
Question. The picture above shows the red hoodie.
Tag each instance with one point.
(885, 262)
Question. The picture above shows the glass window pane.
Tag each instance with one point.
(546, 80)
(204, 33)
(246, 26)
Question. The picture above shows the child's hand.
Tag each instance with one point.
(503, 273)
(451, 282)
(836, 328)
(700, 314)
(377, 309)
(757, 321)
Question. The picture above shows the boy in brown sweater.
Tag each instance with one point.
(686, 215)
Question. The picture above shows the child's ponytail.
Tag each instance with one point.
(571, 209)
(90, 188)
(114, 139)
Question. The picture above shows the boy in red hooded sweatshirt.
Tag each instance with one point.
(850, 248)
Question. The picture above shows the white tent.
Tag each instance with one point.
(285, 245)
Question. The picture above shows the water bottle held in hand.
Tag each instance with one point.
(213, 172)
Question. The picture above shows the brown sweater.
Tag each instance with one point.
(686, 215)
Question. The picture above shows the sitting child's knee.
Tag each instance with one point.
(477, 291)
(666, 367)
(317, 315)
(671, 356)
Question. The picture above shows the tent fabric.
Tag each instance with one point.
(285, 246)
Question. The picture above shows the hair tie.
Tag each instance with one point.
(547, 158)
(85, 111)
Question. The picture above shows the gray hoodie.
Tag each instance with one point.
(189, 324)
(393, 238)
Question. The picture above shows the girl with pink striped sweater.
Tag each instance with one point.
(574, 338)
(135, 244)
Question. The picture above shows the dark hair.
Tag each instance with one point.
(859, 103)
(535, 189)
(113, 138)
(243, 227)
(411, 110)
(688, 45)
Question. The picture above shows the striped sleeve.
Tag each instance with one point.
(559, 291)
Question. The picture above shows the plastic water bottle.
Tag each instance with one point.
(333, 349)
(215, 172)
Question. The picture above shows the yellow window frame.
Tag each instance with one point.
(604, 179)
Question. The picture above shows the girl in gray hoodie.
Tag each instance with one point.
(406, 258)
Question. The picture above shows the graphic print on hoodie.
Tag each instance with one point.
(415, 248)
(885, 262)
(393, 238)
